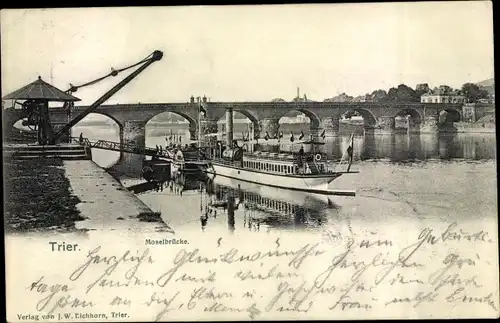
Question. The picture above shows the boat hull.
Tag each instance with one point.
(302, 183)
(274, 193)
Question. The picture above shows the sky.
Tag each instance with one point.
(250, 53)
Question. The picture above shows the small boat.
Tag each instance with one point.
(304, 171)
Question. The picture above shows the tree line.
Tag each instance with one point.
(403, 93)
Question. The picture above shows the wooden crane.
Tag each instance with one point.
(39, 93)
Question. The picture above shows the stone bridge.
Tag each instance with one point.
(378, 117)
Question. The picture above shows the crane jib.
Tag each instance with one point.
(155, 56)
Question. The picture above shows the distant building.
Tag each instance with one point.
(363, 98)
(340, 98)
(443, 94)
(301, 118)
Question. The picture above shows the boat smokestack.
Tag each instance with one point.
(229, 127)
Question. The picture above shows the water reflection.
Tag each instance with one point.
(400, 148)
(260, 206)
(247, 206)
(395, 147)
(176, 185)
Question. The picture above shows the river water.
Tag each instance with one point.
(403, 179)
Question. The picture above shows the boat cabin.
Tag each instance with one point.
(285, 163)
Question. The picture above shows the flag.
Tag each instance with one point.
(323, 134)
(267, 136)
(291, 137)
(301, 135)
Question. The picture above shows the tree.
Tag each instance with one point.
(392, 95)
(473, 92)
(406, 94)
(421, 89)
(446, 89)
(379, 96)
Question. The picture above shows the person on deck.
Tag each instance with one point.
(300, 162)
(81, 138)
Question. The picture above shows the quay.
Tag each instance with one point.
(97, 201)
(105, 202)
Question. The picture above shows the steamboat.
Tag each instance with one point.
(306, 170)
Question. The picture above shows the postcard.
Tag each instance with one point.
(271, 162)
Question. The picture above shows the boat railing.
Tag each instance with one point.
(288, 157)
(226, 161)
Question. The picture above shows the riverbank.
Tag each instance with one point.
(106, 204)
(53, 195)
(38, 197)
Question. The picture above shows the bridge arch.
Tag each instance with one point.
(100, 126)
(170, 126)
(315, 121)
(107, 115)
(247, 114)
(450, 115)
(415, 116)
(368, 116)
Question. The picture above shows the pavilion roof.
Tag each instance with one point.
(40, 90)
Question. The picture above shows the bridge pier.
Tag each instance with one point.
(331, 126)
(430, 125)
(269, 125)
(386, 125)
(413, 126)
(134, 133)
